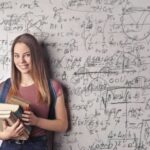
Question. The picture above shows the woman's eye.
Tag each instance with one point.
(28, 55)
(16, 56)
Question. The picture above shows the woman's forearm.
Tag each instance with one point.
(52, 125)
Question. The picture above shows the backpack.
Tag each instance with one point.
(51, 114)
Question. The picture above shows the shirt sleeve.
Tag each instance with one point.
(57, 87)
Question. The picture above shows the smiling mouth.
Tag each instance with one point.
(23, 67)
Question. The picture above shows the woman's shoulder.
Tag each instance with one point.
(54, 82)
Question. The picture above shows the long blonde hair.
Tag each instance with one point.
(38, 72)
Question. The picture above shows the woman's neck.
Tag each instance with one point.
(26, 80)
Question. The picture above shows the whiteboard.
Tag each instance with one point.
(100, 51)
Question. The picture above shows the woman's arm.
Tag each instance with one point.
(59, 124)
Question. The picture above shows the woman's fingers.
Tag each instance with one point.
(16, 124)
(20, 128)
(29, 118)
(15, 130)
(5, 124)
(26, 116)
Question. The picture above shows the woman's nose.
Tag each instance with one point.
(22, 59)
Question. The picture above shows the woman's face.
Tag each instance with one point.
(22, 58)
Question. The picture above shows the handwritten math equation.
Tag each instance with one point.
(100, 51)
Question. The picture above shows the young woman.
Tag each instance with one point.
(30, 81)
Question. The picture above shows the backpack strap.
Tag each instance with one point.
(5, 90)
(51, 114)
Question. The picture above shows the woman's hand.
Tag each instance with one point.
(14, 131)
(29, 118)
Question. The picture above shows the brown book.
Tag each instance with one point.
(19, 101)
(10, 113)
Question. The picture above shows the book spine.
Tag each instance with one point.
(18, 112)
(12, 119)
(28, 129)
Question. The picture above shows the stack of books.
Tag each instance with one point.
(11, 111)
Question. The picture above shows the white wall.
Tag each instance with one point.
(100, 50)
